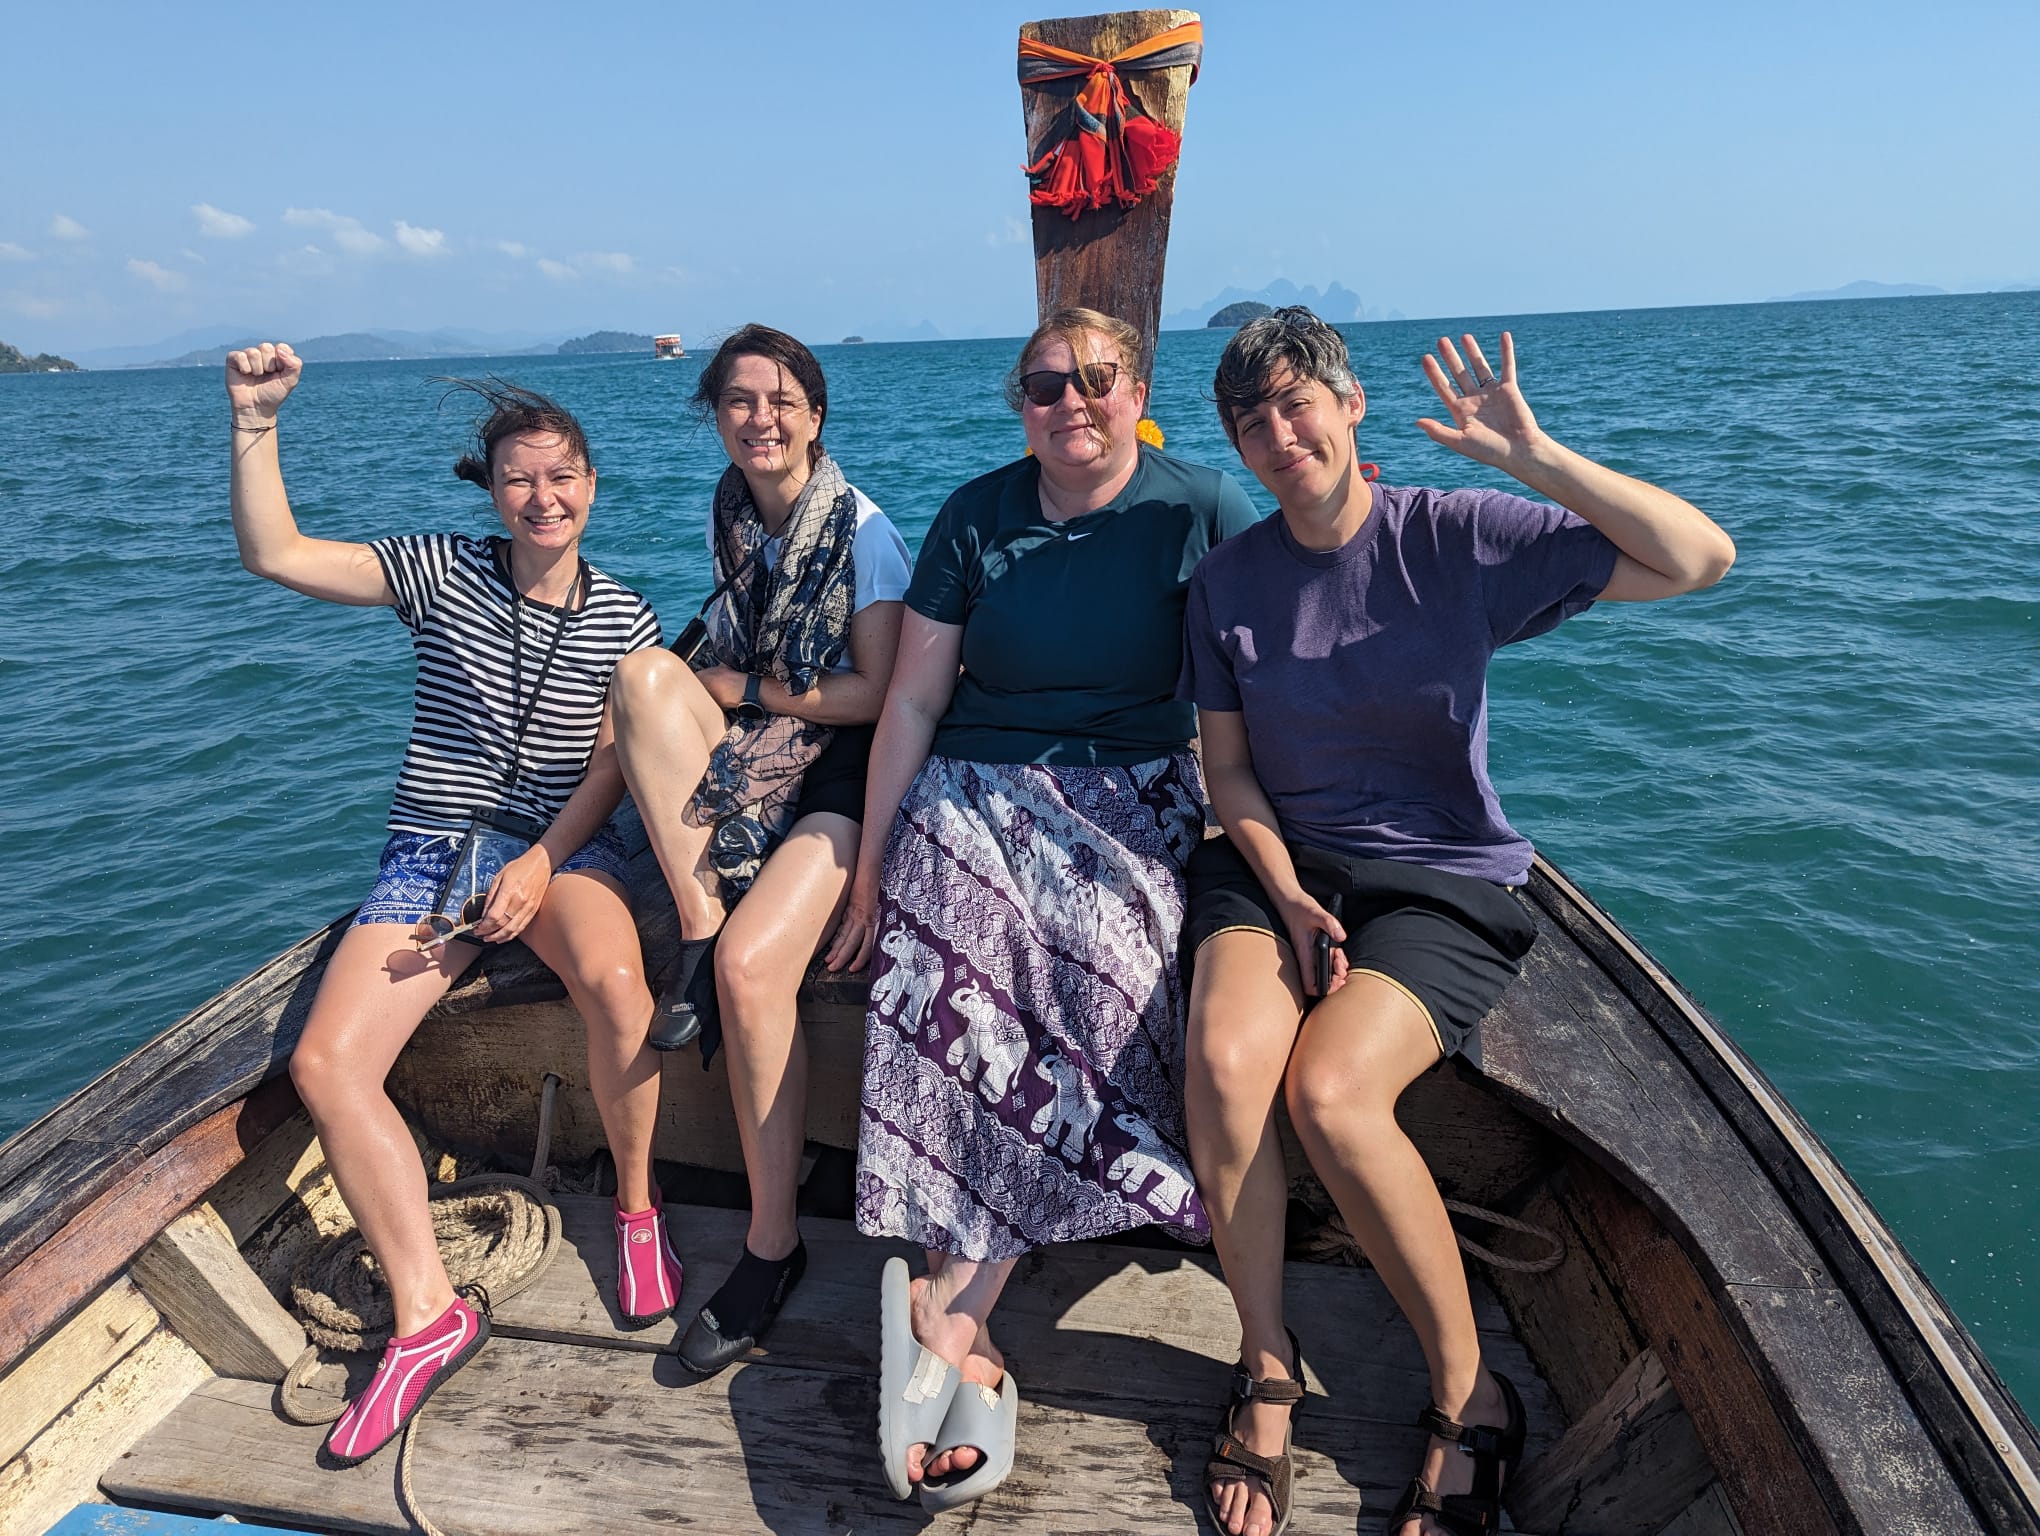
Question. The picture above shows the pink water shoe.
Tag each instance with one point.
(413, 1365)
(647, 1269)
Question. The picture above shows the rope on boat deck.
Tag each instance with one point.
(1333, 1240)
(1487, 1256)
(497, 1233)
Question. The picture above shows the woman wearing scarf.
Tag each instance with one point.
(747, 761)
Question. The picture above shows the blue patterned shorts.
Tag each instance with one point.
(415, 867)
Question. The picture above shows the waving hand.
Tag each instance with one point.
(1491, 421)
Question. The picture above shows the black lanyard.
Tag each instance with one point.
(517, 601)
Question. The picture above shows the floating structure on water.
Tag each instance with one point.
(668, 347)
(1724, 1340)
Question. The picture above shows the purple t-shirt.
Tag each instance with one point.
(1361, 672)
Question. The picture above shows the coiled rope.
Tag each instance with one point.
(497, 1233)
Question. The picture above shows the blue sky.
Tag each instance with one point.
(854, 168)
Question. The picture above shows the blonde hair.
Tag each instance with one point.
(1069, 326)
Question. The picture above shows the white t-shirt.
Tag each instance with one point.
(878, 555)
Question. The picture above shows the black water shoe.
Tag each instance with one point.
(689, 1002)
(738, 1314)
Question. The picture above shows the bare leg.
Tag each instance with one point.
(771, 936)
(584, 932)
(666, 727)
(1357, 1052)
(376, 990)
(1245, 1006)
(952, 1308)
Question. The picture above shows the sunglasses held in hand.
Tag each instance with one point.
(1045, 386)
(435, 928)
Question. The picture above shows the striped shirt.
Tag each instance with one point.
(465, 711)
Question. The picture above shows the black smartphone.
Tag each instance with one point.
(1321, 953)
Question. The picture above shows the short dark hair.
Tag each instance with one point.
(775, 347)
(513, 411)
(1291, 338)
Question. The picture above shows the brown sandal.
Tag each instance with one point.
(1232, 1461)
(1478, 1511)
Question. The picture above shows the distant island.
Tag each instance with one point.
(853, 341)
(1862, 290)
(606, 341)
(1237, 314)
(14, 360)
(1337, 303)
(386, 346)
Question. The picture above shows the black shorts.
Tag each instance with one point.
(834, 781)
(1451, 943)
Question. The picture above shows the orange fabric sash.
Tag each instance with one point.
(1105, 149)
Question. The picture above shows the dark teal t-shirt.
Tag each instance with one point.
(1073, 631)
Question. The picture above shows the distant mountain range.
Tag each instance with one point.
(1338, 304)
(1861, 290)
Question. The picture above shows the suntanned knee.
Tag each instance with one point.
(615, 993)
(1329, 1097)
(643, 679)
(751, 976)
(1226, 1060)
(325, 1080)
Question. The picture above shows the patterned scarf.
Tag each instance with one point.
(793, 623)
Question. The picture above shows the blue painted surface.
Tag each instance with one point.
(112, 1520)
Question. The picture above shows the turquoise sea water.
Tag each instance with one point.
(1810, 791)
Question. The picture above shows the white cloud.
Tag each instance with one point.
(558, 271)
(421, 242)
(516, 250)
(218, 224)
(64, 227)
(1011, 232)
(606, 261)
(192, 256)
(35, 306)
(12, 252)
(347, 232)
(162, 279)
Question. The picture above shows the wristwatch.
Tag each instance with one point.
(751, 708)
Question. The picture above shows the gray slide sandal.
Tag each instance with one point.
(987, 1420)
(915, 1385)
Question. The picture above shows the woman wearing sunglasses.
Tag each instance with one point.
(1019, 889)
(498, 829)
(749, 773)
(1353, 927)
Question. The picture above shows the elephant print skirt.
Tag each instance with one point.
(1023, 1053)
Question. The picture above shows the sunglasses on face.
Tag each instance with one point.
(1045, 386)
(435, 928)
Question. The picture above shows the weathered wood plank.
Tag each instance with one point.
(60, 1467)
(1084, 1313)
(1631, 1463)
(205, 1062)
(196, 1277)
(45, 1287)
(1708, 1515)
(1800, 1415)
(533, 1437)
(1569, 1319)
(45, 1383)
(473, 1081)
(1575, 1055)
(267, 1178)
(1964, 1407)
(1110, 259)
